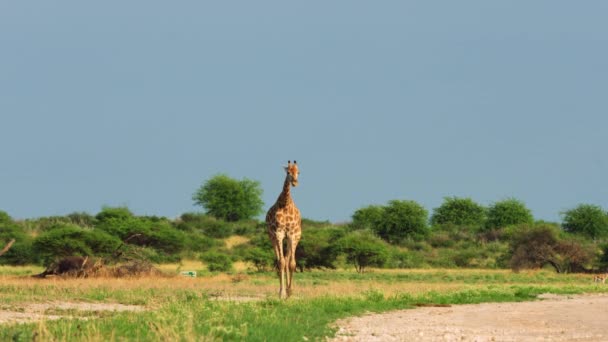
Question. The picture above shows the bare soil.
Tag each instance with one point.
(554, 318)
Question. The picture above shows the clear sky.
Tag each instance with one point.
(137, 103)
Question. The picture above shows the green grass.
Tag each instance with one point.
(190, 314)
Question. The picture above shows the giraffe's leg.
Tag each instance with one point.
(292, 244)
(281, 263)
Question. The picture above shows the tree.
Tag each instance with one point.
(536, 246)
(70, 240)
(459, 212)
(230, 199)
(363, 249)
(19, 252)
(317, 248)
(402, 219)
(508, 212)
(586, 219)
(368, 217)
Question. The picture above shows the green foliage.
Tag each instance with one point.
(586, 219)
(363, 249)
(507, 213)
(395, 222)
(317, 248)
(21, 251)
(369, 217)
(113, 213)
(144, 231)
(5, 217)
(230, 199)
(73, 240)
(261, 259)
(206, 224)
(540, 245)
(217, 261)
(405, 259)
(82, 219)
(459, 212)
(401, 220)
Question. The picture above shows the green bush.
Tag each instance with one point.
(113, 213)
(395, 222)
(217, 262)
(406, 259)
(507, 213)
(401, 220)
(363, 249)
(20, 252)
(143, 231)
(230, 199)
(586, 219)
(369, 218)
(198, 242)
(205, 224)
(317, 248)
(459, 212)
(73, 240)
(261, 259)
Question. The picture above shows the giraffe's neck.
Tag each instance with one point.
(285, 196)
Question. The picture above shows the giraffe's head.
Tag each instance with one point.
(292, 172)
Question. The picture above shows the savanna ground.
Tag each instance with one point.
(243, 306)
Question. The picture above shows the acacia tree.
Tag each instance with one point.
(507, 213)
(586, 219)
(460, 212)
(230, 199)
(536, 246)
(363, 249)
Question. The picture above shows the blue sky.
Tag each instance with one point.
(138, 103)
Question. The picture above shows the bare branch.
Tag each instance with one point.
(7, 247)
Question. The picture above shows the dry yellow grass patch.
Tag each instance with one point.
(235, 240)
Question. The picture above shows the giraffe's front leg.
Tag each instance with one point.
(281, 263)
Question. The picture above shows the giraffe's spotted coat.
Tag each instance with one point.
(285, 223)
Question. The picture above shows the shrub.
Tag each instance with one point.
(317, 249)
(363, 249)
(230, 199)
(73, 240)
(261, 259)
(206, 224)
(508, 212)
(369, 217)
(586, 219)
(113, 213)
(142, 231)
(401, 220)
(459, 212)
(405, 259)
(217, 262)
(21, 251)
(537, 246)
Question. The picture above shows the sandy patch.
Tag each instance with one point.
(555, 318)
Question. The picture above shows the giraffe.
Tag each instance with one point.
(284, 222)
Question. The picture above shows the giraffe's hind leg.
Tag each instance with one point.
(292, 244)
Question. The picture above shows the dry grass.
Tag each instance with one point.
(235, 240)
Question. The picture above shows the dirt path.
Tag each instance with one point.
(555, 318)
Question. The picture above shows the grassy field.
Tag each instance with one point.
(243, 306)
